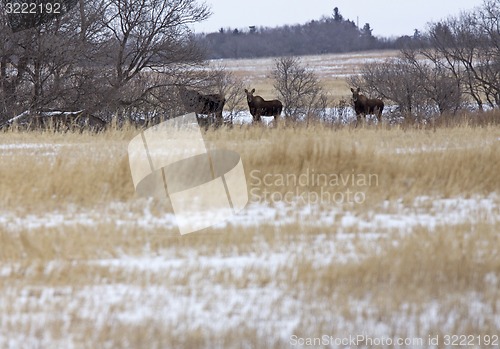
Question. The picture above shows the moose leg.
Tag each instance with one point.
(272, 123)
(210, 120)
(378, 113)
(358, 119)
(219, 120)
(203, 122)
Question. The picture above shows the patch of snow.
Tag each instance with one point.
(424, 211)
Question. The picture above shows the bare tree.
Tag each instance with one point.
(298, 87)
(415, 84)
(457, 47)
(232, 88)
(117, 57)
(39, 67)
(152, 36)
(395, 80)
(470, 47)
(440, 87)
(460, 62)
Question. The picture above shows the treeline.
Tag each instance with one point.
(327, 35)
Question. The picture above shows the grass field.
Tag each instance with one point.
(384, 232)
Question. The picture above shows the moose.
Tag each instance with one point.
(260, 107)
(364, 105)
(210, 104)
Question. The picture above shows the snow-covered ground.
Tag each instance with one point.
(256, 289)
(424, 211)
(182, 290)
(328, 65)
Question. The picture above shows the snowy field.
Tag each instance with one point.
(333, 69)
(408, 263)
(327, 66)
(200, 291)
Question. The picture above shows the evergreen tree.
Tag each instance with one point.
(367, 30)
(337, 17)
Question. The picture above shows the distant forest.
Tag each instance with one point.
(332, 34)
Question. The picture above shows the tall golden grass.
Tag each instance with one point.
(420, 282)
(88, 169)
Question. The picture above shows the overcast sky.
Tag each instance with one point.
(386, 17)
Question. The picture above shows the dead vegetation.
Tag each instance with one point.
(106, 269)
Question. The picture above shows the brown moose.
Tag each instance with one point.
(260, 107)
(364, 105)
(210, 104)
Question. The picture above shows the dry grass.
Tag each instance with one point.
(48, 169)
(86, 264)
(443, 161)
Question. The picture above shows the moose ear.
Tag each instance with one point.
(253, 90)
(246, 91)
(352, 90)
(359, 89)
